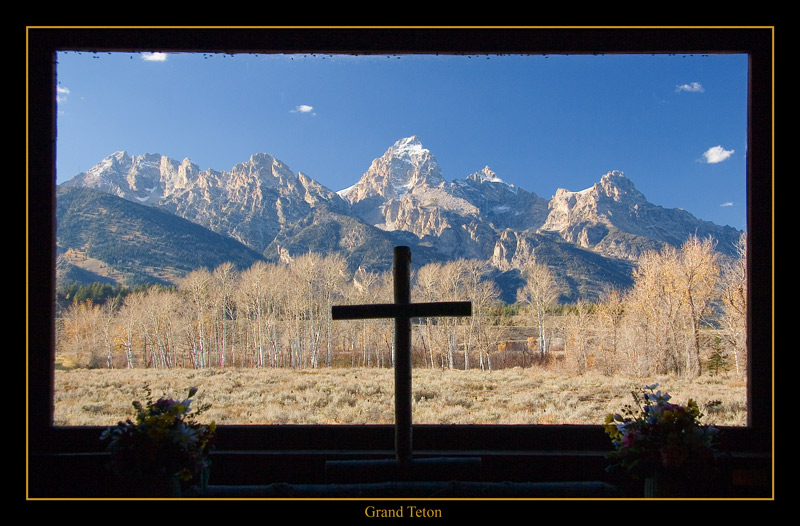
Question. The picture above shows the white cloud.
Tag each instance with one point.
(304, 108)
(727, 204)
(693, 87)
(154, 57)
(61, 93)
(716, 154)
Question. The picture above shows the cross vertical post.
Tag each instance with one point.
(402, 364)
(402, 310)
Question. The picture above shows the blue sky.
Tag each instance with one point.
(675, 125)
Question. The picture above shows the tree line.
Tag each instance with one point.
(685, 314)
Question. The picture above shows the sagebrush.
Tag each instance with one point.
(365, 395)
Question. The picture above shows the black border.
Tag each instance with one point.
(43, 42)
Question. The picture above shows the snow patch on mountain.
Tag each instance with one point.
(480, 216)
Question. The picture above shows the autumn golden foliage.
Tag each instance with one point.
(262, 343)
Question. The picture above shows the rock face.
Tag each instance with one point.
(405, 166)
(252, 202)
(614, 219)
(404, 191)
(501, 204)
(403, 198)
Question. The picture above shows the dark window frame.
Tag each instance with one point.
(43, 43)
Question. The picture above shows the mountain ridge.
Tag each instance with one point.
(403, 198)
(118, 240)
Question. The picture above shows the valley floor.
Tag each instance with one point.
(366, 395)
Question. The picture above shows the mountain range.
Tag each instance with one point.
(151, 218)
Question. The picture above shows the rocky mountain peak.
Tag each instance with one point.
(485, 175)
(402, 198)
(409, 147)
(141, 178)
(615, 185)
(265, 170)
(405, 166)
(596, 204)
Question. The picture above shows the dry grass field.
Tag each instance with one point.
(365, 395)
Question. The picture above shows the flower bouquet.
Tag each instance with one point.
(164, 450)
(659, 439)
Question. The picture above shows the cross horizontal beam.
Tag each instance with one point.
(400, 310)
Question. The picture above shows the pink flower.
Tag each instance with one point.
(628, 439)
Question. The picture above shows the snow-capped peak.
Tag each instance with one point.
(488, 175)
(404, 166)
(409, 147)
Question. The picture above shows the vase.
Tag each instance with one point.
(199, 485)
(155, 487)
(664, 485)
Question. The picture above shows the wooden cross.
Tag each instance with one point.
(402, 310)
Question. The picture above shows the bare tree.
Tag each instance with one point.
(440, 282)
(697, 274)
(579, 324)
(197, 288)
(127, 321)
(365, 289)
(653, 313)
(163, 324)
(734, 305)
(482, 293)
(671, 301)
(611, 312)
(333, 278)
(107, 315)
(539, 293)
(384, 328)
(307, 271)
(254, 296)
(451, 286)
(80, 334)
(224, 282)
